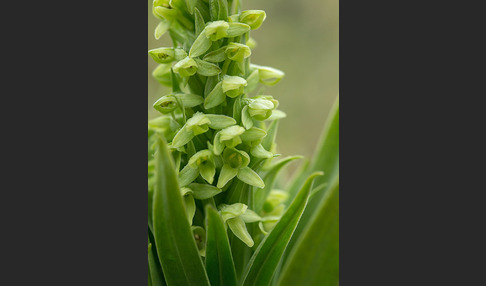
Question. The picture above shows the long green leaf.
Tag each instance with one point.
(174, 241)
(269, 178)
(150, 211)
(156, 276)
(219, 262)
(149, 278)
(315, 258)
(264, 261)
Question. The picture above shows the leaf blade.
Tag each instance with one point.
(156, 276)
(265, 260)
(219, 261)
(269, 179)
(176, 247)
(314, 260)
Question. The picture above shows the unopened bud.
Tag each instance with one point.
(216, 30)
(253, 18)
(185, 67)
(198, 123)
(166, 104)
(237, 52)
(166, 13)
(260, 108)
(235, 158)
(230, 136)
(268, 75)
(167, 55)
(233, 86)
(204, 162)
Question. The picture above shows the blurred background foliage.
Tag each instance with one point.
(300, 38)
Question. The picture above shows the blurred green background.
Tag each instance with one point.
(300, 38)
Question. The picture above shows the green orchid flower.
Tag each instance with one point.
(236, 216)
(235, 164)
(198, 124)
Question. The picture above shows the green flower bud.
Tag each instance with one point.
(204, 162)
(159, 3)
(216, 30)
(274, 199)
(253, 18)
(268, 223)
(233, 86)
(163, 3)
(261, 107)
(167, 55)
(259, 152)
(237, 29)
(238, 227)
(236, 164)
(232, 211)
(230, 136)
(268, 75)
(198, 123)
(235, 158)
(201, 158)
(235, 216)
(186, 67)
(253, 136)
(237, 52)
(168, 14)
(277, 114)
(166, 104)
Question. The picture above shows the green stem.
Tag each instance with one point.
(237, 7)
(224, 69)
(209, 201)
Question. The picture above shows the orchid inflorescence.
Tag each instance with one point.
(220, 137)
